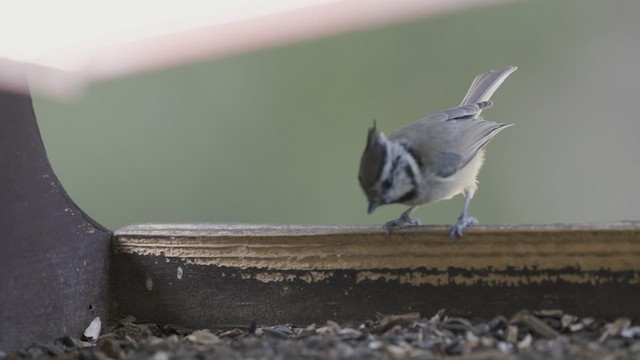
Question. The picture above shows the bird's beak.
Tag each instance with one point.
(373, 204)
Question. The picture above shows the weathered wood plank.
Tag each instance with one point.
(231, 274)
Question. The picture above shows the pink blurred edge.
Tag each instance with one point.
(162, 51)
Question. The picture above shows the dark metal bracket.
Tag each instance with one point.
(54, 259)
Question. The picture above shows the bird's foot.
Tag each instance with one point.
(402, 222)
(463, 222)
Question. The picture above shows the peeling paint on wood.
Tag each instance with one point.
(341, 272)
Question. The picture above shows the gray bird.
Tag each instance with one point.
(433, 159)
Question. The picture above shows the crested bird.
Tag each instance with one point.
(433, 159)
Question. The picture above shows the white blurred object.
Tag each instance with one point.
(93, 330)
(63, 45)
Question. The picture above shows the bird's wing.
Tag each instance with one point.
(469, 111)
(447, 140)
(445, 146)
(474, 136)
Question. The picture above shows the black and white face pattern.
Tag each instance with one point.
(389, 172)
(398, 181)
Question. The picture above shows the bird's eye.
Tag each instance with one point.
(386, 185)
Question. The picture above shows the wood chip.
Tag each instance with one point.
(203, 337)
(576, 327)
(525, 343)
(536, 325)
(614, 328)
(512, 334)
(231, 333)
(555, 313)
(567, 320)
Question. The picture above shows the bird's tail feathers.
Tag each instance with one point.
(484, 85)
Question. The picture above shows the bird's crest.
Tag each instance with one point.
(373, 158)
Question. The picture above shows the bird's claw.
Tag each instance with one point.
(400, 223)
(463, 222)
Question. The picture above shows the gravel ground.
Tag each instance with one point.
(546, 334)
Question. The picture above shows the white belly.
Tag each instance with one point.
(462, 181)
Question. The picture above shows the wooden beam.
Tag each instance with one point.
(231, 274)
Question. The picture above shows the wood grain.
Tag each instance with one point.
(313, 273)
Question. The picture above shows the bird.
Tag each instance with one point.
(434, 158)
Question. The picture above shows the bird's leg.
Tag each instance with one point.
(464, 220)
(401, 222)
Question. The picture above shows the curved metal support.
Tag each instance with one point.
(53, 258)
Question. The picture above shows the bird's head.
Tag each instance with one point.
(387, 171)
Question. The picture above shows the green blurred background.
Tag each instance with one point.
(275, 136)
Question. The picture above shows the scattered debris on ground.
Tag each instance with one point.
(546, 334)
